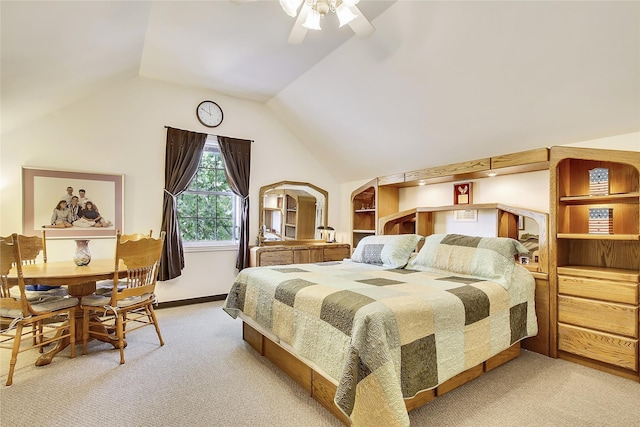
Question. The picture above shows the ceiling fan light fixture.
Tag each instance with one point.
(290, 7)
(323, 6)
(313, 21)
(309, 14)
(345, 15)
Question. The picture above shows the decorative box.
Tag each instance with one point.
(600, 221)
(599, 182)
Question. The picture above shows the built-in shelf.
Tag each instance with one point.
(593, 236)
(610, 198)
(621, 274)
(596, 277)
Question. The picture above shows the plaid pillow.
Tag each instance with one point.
(392, 251)
(491, 258)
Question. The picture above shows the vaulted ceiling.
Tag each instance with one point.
(437, 83)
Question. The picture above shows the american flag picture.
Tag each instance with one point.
(599, 182)
(600, 221)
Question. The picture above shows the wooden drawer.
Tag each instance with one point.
(599, 346)
(299, 253)
(337, 253)
(607, 290)
(603, 316)
(275, 257)
(316, 254)
(301, 256)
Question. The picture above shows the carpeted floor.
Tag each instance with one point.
(205, 375)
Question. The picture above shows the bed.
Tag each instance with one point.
(386, 326)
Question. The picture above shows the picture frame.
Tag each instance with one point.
(467, 215)
(462, 193)
(42, 189)
(520, 222)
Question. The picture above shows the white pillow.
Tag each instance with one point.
(391, 251)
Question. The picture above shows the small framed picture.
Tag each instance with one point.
(462, 193)
(524, 260)
(520, 222)
(467, 215)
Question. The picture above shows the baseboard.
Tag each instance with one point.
(190, 301)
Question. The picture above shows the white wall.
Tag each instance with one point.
(121, 131)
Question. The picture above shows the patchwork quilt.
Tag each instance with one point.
(385, 334)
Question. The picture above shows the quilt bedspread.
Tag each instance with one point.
(385, 334)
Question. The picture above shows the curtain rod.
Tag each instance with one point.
(224, 136)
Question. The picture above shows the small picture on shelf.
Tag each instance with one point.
(599, 182)
(467, 215)
(520, 222)
(600, 221)
(462, 193)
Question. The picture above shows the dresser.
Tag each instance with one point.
(299, 253)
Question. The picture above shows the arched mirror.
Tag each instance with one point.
(291, 210)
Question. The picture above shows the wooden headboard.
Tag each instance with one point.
(421, 221)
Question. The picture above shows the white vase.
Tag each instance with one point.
(82, 255)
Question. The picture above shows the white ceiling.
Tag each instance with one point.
(437, 83)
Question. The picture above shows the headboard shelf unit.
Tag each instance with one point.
(421, 220)
(524, 161)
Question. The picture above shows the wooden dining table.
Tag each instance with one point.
(79, 280)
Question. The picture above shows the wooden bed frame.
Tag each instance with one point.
(323, 389)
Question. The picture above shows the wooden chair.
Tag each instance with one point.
(105, 286)
(131, 299)
(135, 236)
(30, 249)
(23, 312)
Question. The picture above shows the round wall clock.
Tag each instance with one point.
(209, 114)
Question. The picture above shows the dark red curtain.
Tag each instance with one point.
(236, 154)
(183, 153)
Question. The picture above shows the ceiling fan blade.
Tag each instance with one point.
(360, 25)
(298, 31)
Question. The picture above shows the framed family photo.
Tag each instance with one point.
(44, 189)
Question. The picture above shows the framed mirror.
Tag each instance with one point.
(292, 210)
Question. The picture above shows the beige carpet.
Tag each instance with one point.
(206, 375)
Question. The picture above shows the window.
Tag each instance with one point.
(208, 209)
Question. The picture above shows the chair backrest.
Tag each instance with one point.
(142, 258)
(10, 258)
(135, 236)
(30, 247)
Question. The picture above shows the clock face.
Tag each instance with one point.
(209, 113)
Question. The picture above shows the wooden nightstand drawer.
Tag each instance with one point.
(623, 292)
(603, 316)
(600, 346)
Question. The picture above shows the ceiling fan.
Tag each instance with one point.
(312, 12)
